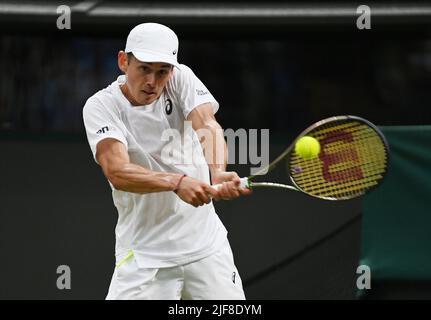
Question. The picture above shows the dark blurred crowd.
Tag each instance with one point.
(279, 84)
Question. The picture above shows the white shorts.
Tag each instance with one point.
(212, 278)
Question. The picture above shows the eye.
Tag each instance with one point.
(163, 72)
(145, 69)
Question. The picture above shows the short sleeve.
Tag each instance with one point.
(100, 124)
(190, 91)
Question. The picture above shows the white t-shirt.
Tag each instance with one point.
(160, 228)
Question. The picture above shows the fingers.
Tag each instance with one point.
(199, 193)
(212, 192)
(198, 198)
(204, 195)
(245, 191)
(230, 190)
(236, 179)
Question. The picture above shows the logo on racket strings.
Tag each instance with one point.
(344, 154)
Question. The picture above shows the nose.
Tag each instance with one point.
(151, 80)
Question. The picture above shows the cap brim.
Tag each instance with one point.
(144, 56)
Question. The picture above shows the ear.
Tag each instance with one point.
(171, 72)
(123, 63)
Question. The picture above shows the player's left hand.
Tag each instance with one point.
(230, 185)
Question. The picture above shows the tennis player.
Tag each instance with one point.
(170, 243)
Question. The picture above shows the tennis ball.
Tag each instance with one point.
(307, 147)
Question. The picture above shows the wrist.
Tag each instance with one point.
(217, 170)
(218, 176)
(177, 186)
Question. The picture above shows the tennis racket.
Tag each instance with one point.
(353, 159)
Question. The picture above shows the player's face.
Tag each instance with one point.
(146, 81)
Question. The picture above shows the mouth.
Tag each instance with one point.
(148, 93)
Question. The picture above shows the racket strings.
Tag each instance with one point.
(373, 162)
(367, 177)
(353, 159)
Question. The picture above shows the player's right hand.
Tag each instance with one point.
(196, 192)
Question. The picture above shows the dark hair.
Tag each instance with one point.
(129, 56)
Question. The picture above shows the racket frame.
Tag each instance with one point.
(251, 184)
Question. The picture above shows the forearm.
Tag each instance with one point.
(134, 178)
(215, 148)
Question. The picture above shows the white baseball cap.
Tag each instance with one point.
(153, 42)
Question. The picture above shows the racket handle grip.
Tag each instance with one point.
(243, 184)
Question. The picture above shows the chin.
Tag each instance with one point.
(147, 100)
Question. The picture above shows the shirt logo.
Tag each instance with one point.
(102, 130)
(168, 106)
(201, 92)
